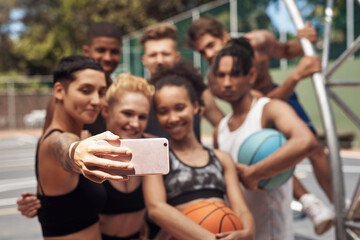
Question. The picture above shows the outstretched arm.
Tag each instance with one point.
(85, 156)
(307, 66)
(292, 48)
(168, 217)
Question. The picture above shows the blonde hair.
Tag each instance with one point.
(128, 83)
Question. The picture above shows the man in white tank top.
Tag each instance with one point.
(234, 77)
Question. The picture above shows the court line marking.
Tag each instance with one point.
(8, 211)
(8, 201)
(21, 183)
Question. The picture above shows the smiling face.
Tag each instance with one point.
(231, 87)
(128, 116)
(174, 111)
(208, 46)
(83, 97)
(106, 51)
(158, 53)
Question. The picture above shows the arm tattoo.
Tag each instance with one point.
(61, 151)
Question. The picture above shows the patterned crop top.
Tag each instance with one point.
(185, 183)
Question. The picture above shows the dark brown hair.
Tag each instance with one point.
(202, 26)
(159, 31)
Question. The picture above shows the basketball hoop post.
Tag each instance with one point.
(318, 81)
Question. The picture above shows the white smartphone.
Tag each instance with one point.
(149, 155)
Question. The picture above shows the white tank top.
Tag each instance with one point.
(270, 208)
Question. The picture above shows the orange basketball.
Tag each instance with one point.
(214, 217)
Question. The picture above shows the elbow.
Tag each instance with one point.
(155, 210)
(310, 144)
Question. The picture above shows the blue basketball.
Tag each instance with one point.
(258, 146)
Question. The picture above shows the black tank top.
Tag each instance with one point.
(120, 202)
(71, 212)
(185, 183)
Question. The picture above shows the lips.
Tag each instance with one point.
(175, 129)
(131, 134)
(108, 66)
(92, 111)
(227, 93)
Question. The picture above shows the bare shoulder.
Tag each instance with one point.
(58, 143)
(276, 105)
(224, 157)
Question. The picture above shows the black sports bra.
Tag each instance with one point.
(71, 212)
(120, 202)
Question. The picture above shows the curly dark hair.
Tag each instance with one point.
(242, 53)
(183, 73)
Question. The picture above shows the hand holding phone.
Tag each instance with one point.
(149, 155)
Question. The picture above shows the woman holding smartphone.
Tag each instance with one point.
(196, 173)
(70, 202)
(126, 111)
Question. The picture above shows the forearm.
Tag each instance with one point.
(290, 49)
(248, 223)
(286, 157)
(214, 115)
(284, 90)
(177, 224)
(293, 49)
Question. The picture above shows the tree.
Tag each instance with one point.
(55, 28)
(7, 59)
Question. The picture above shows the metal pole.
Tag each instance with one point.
(343, 84)
(282, 27)
(318, 81)
(196, 56)
(233, 17)
(126, 54)
(352, 116)
(11, 104)
(348, 53)
(349, 22)
(327, 31)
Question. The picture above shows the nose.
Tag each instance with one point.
(227, 82)
(107, 56)
(209, 54)
(159, 59)
(134, 122)
(96, 99)
(173, 117)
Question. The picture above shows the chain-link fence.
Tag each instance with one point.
(21, 96)
(238, 18)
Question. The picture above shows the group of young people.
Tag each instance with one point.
(70, 202)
